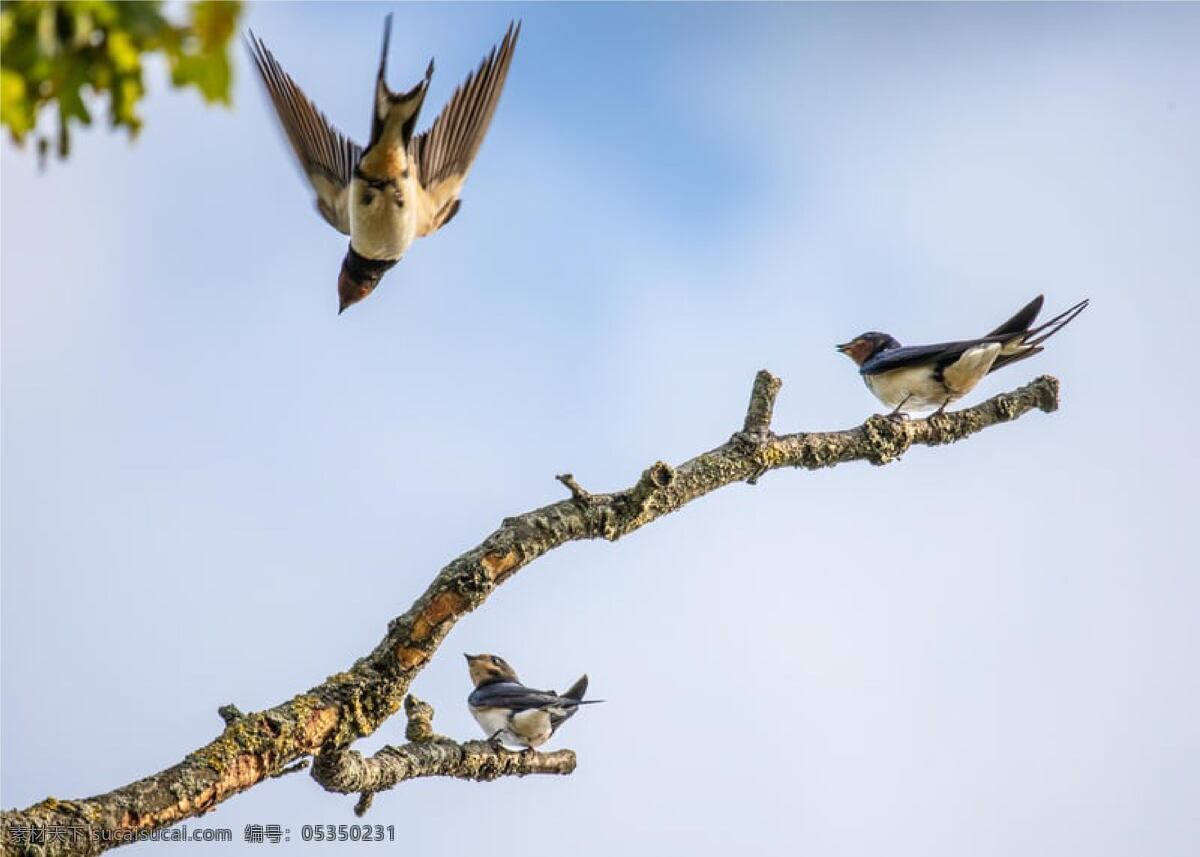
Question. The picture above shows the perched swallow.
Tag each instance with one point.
(514, 714)
(921, 377)
(402, 186)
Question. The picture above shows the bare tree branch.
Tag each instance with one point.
(762, 404)
(429, 755)
(325, 720)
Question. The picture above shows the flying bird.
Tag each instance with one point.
(402, 186)
(921, 377)
(514, 714)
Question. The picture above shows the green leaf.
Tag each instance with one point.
(15, 105)
(71, 54)
(213, 22)
(210, 74)
(123, 52)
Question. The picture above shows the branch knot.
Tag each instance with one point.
(655, 479)
(887, 438)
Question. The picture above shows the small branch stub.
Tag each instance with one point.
(420, 720)
(577, 490)
(323, 721)
(230, 714)
(756, 430)
(762, 405)
(364, 803)
(428, 755)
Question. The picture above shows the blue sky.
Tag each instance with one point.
(217, 490)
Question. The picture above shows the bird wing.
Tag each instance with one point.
(1017, 340)
(327, 156)
(939, 354)
(516, 697)
(444, 153)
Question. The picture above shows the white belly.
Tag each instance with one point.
(525, 729)
(915, 388)
(491, 720)
(381, 228)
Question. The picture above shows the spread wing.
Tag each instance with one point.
(327, 156)
(444, 153)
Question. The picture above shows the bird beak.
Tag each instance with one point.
(843, 347)
(349, 292)
(352, 290)
(469, 657)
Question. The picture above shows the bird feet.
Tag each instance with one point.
(897, 415)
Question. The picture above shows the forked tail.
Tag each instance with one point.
(577, 690)
(405, 107)
(1030, 342)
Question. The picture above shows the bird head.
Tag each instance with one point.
(488, 669)
(863, 347)
(358, 278)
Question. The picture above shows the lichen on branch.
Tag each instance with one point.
(429, 755)
(324, 721)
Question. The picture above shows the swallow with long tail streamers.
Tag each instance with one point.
(511, 713)
(402, 186)
(909, 378)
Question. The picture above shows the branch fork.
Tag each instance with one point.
(756, 429)
(324, 721)
(578, 493)
(428, 754)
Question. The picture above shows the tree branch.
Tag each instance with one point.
(762, 404)
(429, 755)
(328, 718)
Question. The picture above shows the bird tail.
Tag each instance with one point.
(406, 106)
(1029, 342)
(578, 689)
(1036, 336)
(575, 693)
(1022, 321)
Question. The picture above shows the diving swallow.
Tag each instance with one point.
(402, 186)
(514, 714)
(921, 377)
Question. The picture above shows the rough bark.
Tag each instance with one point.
(325, 720)
(428, 754)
